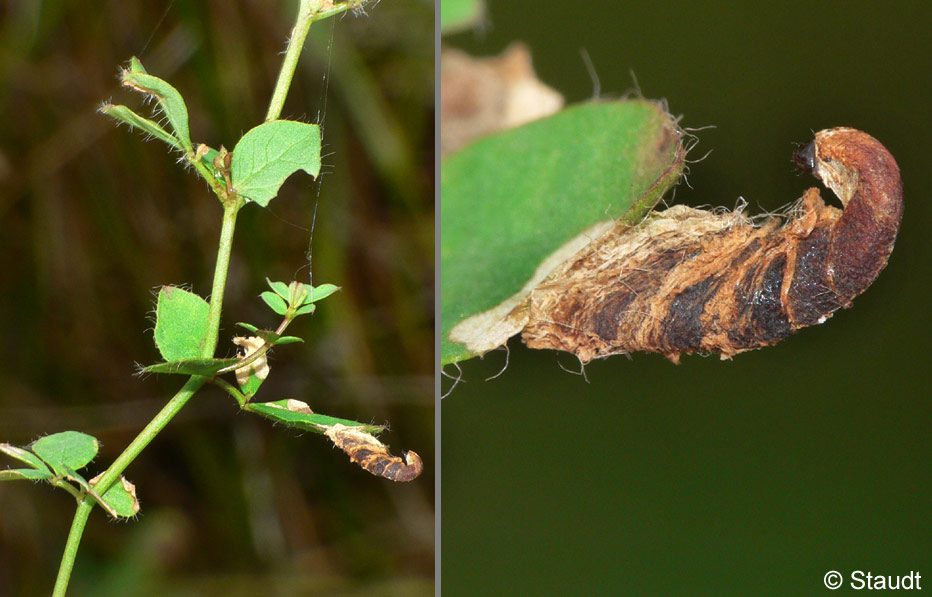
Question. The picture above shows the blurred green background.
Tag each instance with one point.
(93, 219)
(750, 477)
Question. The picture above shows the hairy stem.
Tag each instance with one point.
(168, 412)
(214, 184)
(71, 547)
(195, 382)
(232, 390)
(148, 433)
(230, 210)
(306, 12)
(113, 473)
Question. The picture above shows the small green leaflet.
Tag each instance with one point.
(275, 302)
(205, 367)
(23, 456)
(20, 474)
(150, 127)
(38, 472)
(121, 499)
(180, 323)
(321, 292)
(66, 451)
(170, 101)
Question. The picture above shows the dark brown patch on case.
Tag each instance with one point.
(684, 326)
(372, 455)
(811, 293)
(689, 280)
(769, 322)
(616, 306)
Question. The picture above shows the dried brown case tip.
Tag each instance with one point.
(688, 280)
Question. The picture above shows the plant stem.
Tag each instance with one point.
(148, 433)
(232, 390)
(306, 12)
(71, 547)
(169, 411)
(230, 210)
(215, 185)
(142, 440)
(195, 382)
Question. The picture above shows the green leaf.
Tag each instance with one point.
(180, 323)
(170, 101)
(68, 450)
(205, 367)
(124, 114)
(306, 309)
(510, 200)
(270, 337)
(273, 339)
(121, 497)
(75, 476)
(270, 153)
(251, 386)
(19, 474)
(295, 413)
(208, 160)
(280, 288)
(275, 302)
(320, 292)
(24, 456)
(248, 326)
(456, 15)
(136, 66)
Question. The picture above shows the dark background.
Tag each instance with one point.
(92, 219)
(750, 477)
